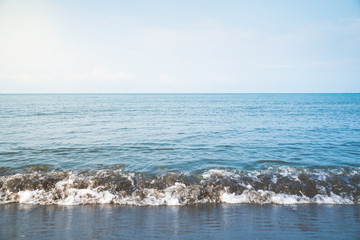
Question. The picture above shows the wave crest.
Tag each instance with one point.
(213, 186)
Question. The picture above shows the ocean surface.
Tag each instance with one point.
(179, 149)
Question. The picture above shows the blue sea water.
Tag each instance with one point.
(180, 132)
(193, 134)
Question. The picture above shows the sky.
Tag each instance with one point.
(187, 46)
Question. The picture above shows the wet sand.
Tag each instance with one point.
(216, 221)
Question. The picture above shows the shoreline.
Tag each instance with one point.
(213, 221)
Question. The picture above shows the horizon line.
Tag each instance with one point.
(179, 93)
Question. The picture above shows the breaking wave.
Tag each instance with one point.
(273, 186)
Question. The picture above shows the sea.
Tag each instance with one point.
(228, 157)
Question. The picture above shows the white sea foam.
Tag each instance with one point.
(169, 196)
(220, 186)
(218, 173)
(71, 196)
(172, 195)
(269, 197)
(86, 196)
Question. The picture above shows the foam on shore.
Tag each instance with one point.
(287, 186)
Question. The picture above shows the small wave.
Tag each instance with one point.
(114, 186)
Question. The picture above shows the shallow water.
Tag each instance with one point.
(161, 149)
(184, 222)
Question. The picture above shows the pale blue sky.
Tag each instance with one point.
(179, 46)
